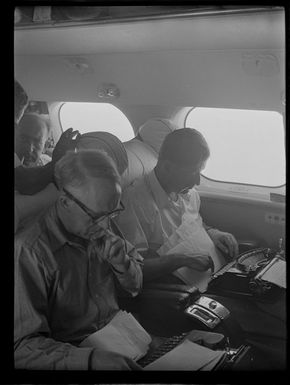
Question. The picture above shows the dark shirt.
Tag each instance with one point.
(31, 180)
(63, 294)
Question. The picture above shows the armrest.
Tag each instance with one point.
(161, 286)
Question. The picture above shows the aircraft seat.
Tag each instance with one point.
(143, 150)
(141, 160)
(154, 130)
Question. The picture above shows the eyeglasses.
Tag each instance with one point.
(95, 217)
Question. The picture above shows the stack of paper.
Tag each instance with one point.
(122, 335)
(187, 356)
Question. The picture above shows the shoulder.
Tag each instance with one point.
(32, 244)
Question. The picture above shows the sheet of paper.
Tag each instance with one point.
(276, 274)
(209, 366)
(186, 356)
(122, 335)
(200, 279)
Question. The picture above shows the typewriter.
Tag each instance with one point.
(260, 273)
(239, 358)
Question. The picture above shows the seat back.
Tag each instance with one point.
(154, 130)
(143, 150)
(141, 160)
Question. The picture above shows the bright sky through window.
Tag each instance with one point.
(88, 117)
(246, 146)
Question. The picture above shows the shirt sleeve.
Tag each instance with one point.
(34, 348)
(131, 277)
(28, 206)
(31, 180)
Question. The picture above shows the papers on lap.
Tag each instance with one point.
(123, 335)
(187, 356)
(190, 238)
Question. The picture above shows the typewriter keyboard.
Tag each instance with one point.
(164, 348)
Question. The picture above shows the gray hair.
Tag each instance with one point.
(35, 120)
(78, 168)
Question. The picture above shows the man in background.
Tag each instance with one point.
(30, 140)
(34, 186)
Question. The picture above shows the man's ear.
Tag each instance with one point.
(65, 202)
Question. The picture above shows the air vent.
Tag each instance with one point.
(79, 64)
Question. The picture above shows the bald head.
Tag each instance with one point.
(31, 136)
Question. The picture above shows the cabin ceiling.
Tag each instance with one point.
(234, 60)
(263, 30)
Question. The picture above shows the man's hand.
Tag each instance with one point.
(225, 242)
(104, 360)
(198, 262)
(112, 247)
(66, 142)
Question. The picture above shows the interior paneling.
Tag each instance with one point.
(203, 79)
(245, 218)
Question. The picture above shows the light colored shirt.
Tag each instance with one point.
(154, 220)
(43, 160)
(63, 293)
(151, 216)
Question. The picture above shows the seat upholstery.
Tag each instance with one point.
(143, 150)
(141, 160)
(154, 130)
(101, 140)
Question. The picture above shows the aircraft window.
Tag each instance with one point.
(88, 117)
(246, 146)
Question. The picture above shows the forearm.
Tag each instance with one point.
(34, 179)
(129, 274)
(40, 353)
(157, 267)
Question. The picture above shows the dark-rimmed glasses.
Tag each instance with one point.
(95, 217)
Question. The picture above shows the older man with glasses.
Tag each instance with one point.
(68, 267)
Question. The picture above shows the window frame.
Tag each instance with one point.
(229, 182)
(63, 103)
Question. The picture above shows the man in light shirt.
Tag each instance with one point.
(162, 220)
(163, 205)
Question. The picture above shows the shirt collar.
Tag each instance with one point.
(160, 195)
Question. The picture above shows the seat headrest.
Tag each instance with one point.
(154, 131)
(141, 160)
(100, 140)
